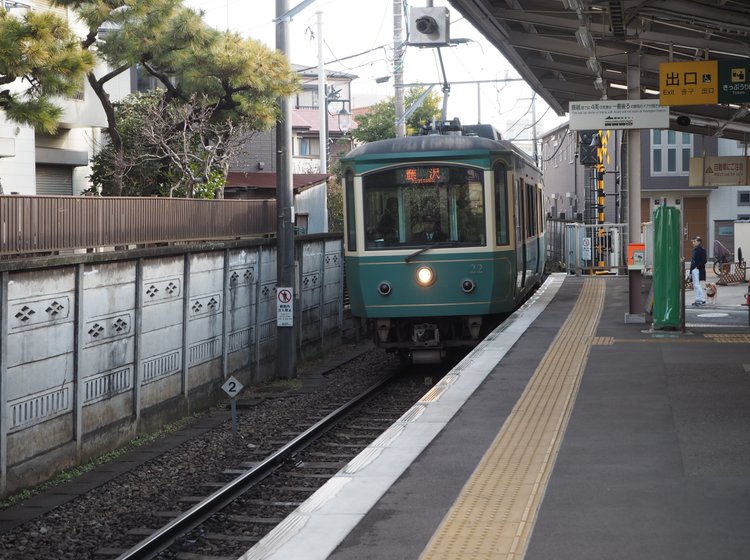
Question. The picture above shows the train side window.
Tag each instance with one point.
(351, 222)
(501, 205)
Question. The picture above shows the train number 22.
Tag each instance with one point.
(477, 268)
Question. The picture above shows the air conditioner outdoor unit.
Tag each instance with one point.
(429, 27)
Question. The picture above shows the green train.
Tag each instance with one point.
(444, 236)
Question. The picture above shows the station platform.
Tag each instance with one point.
(566, 434)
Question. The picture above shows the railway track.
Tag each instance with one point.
(99, 516)
(230, 511)
(103, 521)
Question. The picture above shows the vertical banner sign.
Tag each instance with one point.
(586, 249)
(284, 307)
(689, 83)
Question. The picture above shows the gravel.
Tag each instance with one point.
(100, 518)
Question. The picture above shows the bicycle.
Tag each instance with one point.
(722, 267)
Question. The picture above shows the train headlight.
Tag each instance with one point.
(468, 286)
(384, 288)
(425, 276)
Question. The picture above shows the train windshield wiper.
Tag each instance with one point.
(433, 246)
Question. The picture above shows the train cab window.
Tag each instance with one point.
(422, 204)
(501, 205)
(351, 222)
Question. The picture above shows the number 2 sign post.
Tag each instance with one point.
(232, 387)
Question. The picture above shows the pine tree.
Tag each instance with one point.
(241, 77)
(40, 58)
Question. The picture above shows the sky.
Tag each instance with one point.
(351, 27)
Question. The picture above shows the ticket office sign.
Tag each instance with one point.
(734, 85)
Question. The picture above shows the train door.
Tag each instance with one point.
(521, 229)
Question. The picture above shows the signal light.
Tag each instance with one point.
(587, 146)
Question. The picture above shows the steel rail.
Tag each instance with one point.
(192, 518)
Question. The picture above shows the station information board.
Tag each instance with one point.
(624, 114)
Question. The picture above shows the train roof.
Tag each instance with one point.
(435, 143)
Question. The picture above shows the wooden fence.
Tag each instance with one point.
(43, 224)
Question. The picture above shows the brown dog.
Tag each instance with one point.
(711, 293)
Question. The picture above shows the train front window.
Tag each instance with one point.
(423, 204)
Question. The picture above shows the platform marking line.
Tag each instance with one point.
(494, 515)
(603, 341)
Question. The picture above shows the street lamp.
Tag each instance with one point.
(344, 121)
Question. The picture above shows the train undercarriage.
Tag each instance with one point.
(427, 340)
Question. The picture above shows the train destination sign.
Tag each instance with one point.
(422, 175)
(625, 114)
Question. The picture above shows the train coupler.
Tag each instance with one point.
(425, 334)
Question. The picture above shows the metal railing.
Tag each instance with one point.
(44, 224)
(586, 248)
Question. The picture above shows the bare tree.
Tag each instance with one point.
(195, 141)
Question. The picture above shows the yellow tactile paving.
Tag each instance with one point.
(495, 513)
(730, 338)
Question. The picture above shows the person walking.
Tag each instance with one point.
(698, 271)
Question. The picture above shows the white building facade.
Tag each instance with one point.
(34, 163)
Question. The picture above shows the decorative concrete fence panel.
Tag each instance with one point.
(311, 291)
(106, 363)
(205, 315)
(266, 313)
(241, 306)
(161, 337)
(38, 386)
(96, 348)
(321, 286)
(333, 287)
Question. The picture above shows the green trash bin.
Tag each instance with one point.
(667, 270)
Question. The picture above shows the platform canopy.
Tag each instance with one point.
(579, 50)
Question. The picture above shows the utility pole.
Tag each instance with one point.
(398, 68)
(322, 99)
(287, 346)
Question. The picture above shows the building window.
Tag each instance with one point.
(309, 147)
(670, 152)
(144, 82)
(743, 198)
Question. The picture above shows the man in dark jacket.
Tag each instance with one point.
(698, 271)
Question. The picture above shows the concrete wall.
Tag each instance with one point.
(97, 348)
